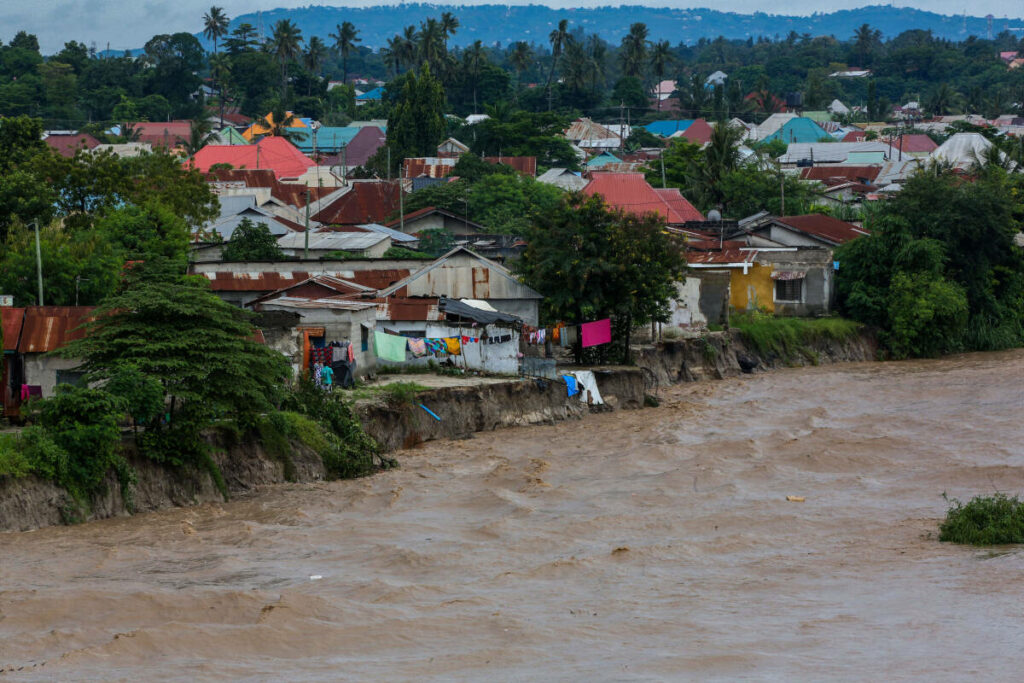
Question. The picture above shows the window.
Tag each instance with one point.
(789, 290)
(364, 338)
(71, 377)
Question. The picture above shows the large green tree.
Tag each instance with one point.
(590, 262)
(416, 123)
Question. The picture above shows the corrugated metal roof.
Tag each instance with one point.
(329, 302)
(332, 241)
(632, 193)
(723, 257)
(525, 165)
(585, 129)
(273, 152)
(48, 328)
(824, 227)
(365, 202)
(13, 318)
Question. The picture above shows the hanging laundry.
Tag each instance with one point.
(418, 348)
(570, 383)
(541, 335)
(453, 346)
(389, 346)
(571, 335)
(596, 333)
(588, 388)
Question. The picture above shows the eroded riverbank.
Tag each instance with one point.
(634, 545)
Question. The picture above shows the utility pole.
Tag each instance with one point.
(39, 264)
(389, 163)
(257, 155)
(661, 157)
(401, 201)
(305, 249)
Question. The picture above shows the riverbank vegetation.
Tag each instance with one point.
(984, 520)
(790, 337)
(941, 271)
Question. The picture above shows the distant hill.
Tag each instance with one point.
(507, 24)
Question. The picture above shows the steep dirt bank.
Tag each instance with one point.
(727, 354)
(31, 503)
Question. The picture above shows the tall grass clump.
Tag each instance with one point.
(985, 520)
(787, 337)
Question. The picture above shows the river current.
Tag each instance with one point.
(653, 545)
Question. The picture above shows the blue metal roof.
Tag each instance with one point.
(329, 140)
(375, 94)
(800, 129)
(666, 128)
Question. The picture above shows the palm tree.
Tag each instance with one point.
(598, 57)
(864, 40)
(316, 52)
(661, 58)
(576, 66)
(449, 23)
(941, 101)
(278, 122)
(220, 69)
(696, 95)
(557, 39)
(199, 136)
(345, 39)
(634, 50)
(286, 45)
(392, 54)
(473, 60)
(242, 38)
(215, 25)
(431, 45)
(521, 57)
(409, 39)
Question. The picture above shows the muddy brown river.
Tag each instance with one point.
(653, 545)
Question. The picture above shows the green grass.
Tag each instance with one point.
(985, 520)
(788, 337)
(402, 392)
(13, 462)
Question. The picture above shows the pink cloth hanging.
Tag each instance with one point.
(596, 333)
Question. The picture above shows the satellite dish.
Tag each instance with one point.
(714, 216)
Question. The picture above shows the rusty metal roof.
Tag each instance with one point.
(48, 328)
(226, 281)
(366, 202)
(12, 322)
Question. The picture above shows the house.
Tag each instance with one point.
(602, 160)
(67, 142)
(588, 135)
(802, 154)
(29, 335)
(323, 139)
(916, 145)
(799, 129)
(463, 274)
(771, 125)
(126, 150)
(228, 136)
(364, 201)
(428, 167)
(668, 128)
(524, 165)
(811, 230)
(358, 151)
(271, 152)
(401, 239)
(322, 243)
(698, 132)
(451, 148)
(259, 129)
(237, 208)
(832, 175)
(165, 134)
(963, 150)
(433, 218)
(664, 89)
(632, 193)
(851, 73)
(375, 95)
(838, 108)
(569, 181)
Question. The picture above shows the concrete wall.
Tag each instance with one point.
(527, 309)
(685, 308)
(817, 293)
(41, 370)
(714, 295)
(339, 325)
(496, 358)
(754, 290)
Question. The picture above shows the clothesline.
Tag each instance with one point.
(594, 333)
(393, 347)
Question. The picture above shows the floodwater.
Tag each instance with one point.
(653, 545)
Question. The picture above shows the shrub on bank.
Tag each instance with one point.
(787, 337)
(985, 520)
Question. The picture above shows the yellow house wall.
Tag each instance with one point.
(753, 290)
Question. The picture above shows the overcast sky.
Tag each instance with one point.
(130, 23)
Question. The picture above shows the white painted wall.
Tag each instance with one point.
(686, 312)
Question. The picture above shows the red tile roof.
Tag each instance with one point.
(275, 153)
(824, 227)
(366, 202)
(855, 136)
(48, 328)
(680, 204)
(631, 192)
(66, 145)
